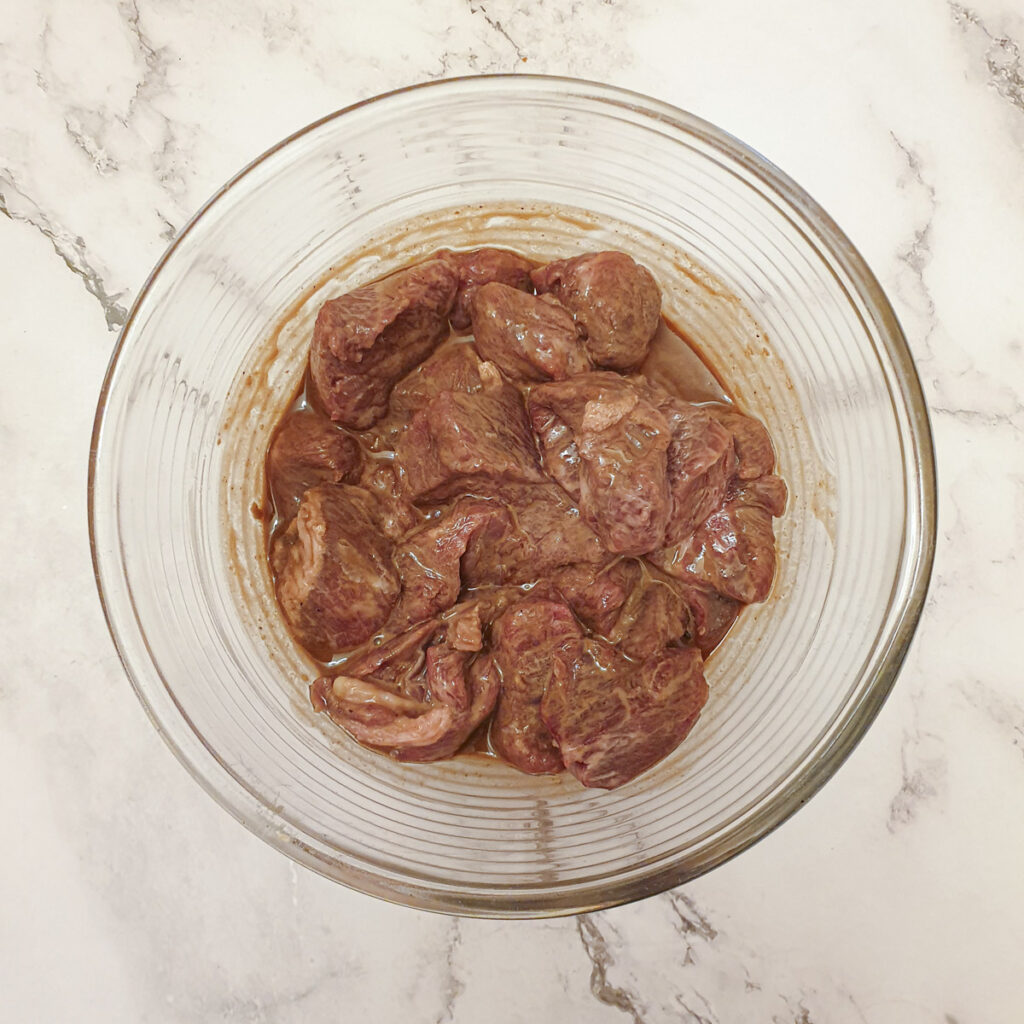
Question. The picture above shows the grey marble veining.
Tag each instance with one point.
(895, 897)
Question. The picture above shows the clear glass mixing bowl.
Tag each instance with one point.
(752, 269)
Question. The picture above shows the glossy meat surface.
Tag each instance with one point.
(462, 440)
(529, 338)
(514, 540)
(526, 638)
(308, 450)
(614, 299)
(613, 719)
(607, 445)
(480, 267)
(367, 340)
(336, 581)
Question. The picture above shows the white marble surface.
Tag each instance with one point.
(895, 897)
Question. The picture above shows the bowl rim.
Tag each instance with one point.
(263, 821)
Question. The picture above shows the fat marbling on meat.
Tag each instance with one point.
(612, 718)
(336, 581)
(368, 339)
(424, 713)
(516, 531)
(479, 267)
(615, 300)
(529, 338)
(607, 445)
(460, 440)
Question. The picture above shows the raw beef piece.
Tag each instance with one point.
(335, 579)
(701, 460)
(557, 411)
(308, 450)
(428, 561)
(607, 446)
(451, 368)
(624, 492)
(365, 341)
(616, 300)
(397, 515)
(613, 719)
(596, 593)
(733, 552)
(755, 455)
(711, 616)
(653, 616)
(529, 338)
(482, 266)
(425, 719)
(460, 440)
(553, 409)
(767, 492)
(525, 639)
(541, 532)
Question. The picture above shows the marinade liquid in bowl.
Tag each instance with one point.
(769, 293)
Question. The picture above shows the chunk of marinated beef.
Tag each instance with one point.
(396, 514)
(529, 338)
(366, 340)
(557, 412)
(465, 627)
(630, 603)
(767, 492)
(428, 561)
(480, 267)
(453, 367)
(755, 454)
(701, 460)
(596, 593)
(624, 492)
(461, 440)
(733, 551)
(525, 640)
(552, 411)
(424, 718)
(335, 579)
(397, 663)
(711, 616)
(540, 531)
(615, 299)
(654, 615)
(607, 446)
(308, 450)
(613, 719)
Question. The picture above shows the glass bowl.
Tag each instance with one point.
(753, 271)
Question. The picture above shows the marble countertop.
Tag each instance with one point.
(895, 897)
